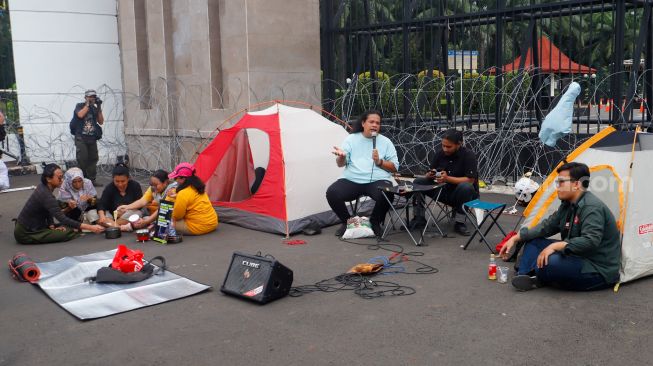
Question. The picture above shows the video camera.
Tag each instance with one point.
(97, 103)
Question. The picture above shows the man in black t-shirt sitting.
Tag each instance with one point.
(456, 166)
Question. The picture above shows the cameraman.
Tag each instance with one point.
(86, 126)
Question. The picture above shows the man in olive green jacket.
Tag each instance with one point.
(588, 256)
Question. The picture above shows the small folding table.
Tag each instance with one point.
(405, 192)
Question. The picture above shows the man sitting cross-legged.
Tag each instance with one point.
(588, 255)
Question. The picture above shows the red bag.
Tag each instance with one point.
(127, 260)
(504, 240)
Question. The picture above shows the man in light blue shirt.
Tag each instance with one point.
(369, 160)
(360, 166)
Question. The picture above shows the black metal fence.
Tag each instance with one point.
(12, 127)
(487, 66)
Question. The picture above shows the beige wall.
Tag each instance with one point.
(262, 50)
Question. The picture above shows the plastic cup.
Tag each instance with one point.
(502, 274)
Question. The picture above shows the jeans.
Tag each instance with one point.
(562, 271)
(343, 190)
(451, 195)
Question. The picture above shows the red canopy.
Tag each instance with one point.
(552, 60)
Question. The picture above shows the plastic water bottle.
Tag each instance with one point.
(171, 230)
(492, 268)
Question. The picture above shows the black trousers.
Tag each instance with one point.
(453, 195)
(87, 158)
(76, 213)
(343, 190)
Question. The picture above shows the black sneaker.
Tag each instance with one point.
(525, 282)
(97, 184)
(461, 229)
(341, 230)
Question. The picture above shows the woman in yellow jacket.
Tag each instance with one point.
(193, 213)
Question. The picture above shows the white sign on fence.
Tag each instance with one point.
(462, 60)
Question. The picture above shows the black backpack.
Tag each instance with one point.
(110, 275)
(77, 122)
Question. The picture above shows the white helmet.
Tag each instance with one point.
(525, 188)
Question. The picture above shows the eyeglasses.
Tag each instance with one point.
(559, 181)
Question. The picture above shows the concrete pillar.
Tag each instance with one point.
(206, 60)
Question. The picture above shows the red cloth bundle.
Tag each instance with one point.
(127, 260)
(504, 240)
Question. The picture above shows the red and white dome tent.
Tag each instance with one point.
(270, 171)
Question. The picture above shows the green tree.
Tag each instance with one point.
(7, 76)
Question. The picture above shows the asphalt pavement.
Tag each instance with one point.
(455, 317)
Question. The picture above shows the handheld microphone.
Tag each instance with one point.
(374, 133)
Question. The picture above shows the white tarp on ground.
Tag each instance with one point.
(63, 281)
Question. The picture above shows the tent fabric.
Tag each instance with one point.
(551, 60)
(637, 241)
(269, 224)
(619, 177)
(533, 210)
(266, 201)
(235, 173)
(293, 145)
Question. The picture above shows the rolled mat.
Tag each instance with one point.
(24, 268)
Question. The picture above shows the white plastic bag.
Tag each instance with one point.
(357, 228)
